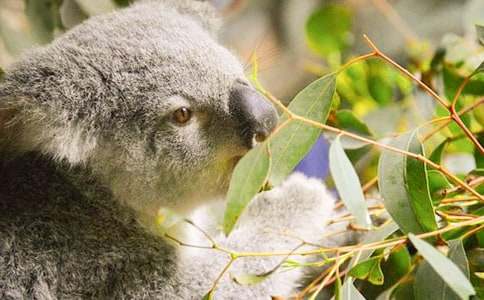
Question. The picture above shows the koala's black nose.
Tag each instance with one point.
(255, 116)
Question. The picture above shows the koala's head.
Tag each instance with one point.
(146, 97)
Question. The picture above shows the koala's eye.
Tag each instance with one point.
(182, 115)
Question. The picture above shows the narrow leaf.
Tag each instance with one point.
(348, 184)
(371, 237)
(429, 285)
(369, 270)
(449, 272)
(417, 186)
(293, 142)
(249, 279)
(404, 186)
(346, 120)
(208, 296)
(436, 155)
(249, 176)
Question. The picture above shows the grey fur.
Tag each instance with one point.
(90, 156)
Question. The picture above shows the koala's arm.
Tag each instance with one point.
(275, 220)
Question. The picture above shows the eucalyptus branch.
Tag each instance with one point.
(463, 111)
(450, 107)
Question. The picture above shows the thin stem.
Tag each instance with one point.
(450, 107)
(382, 55)
(471, 232)
(355, 60)
(394, 149)
(370, 184)
(461, 112)
(221, 274)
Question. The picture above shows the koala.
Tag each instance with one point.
(124, 116)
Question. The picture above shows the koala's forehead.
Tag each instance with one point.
(170, 51)
(139, 56)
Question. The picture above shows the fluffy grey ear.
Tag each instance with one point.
(23, 128)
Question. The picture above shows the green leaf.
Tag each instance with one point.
(447, 270)
(350, 292)
(348, 184)
(417, 186)
(400, 261)
(369, 270)
(328, 30)
(480, 33)
(44, 17)
(346, 120)
(249, 176)
(429, 285)
(295, 140)
(338, 293)
(371, 237)
(452, 80)
(477, 155)
(249, 279)
(437, 183)
(404, 186)
(436, 155)
(208, 296)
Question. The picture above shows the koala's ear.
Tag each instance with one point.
(71, 143)
(24, 128)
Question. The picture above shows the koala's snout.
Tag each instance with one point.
(255, 116)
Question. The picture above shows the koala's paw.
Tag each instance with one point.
(300, 205)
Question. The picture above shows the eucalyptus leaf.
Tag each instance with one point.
(450, 273)
(348, 184)
(291, 144)
(404, 186)
(346, 120)
(369, 270)
(208, 296)
(371, 237)
(249, 176)
(249, 279)
(436, 155)
(338, 293)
